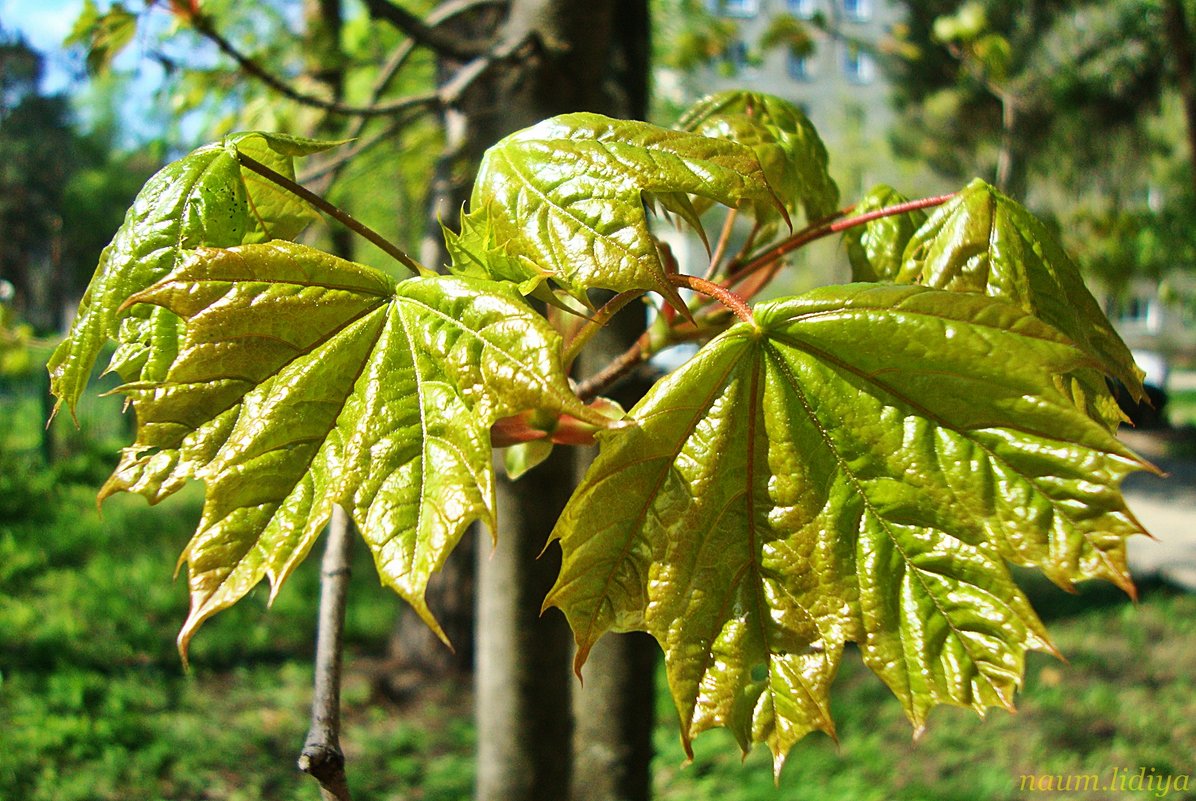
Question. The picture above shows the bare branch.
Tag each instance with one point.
(322, 757)
(422, 32)
(426, 100)
(616, 370)
(417, 103)
(328, 169)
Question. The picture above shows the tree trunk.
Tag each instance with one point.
(523, 677)
(524, 683)
(1179, 38)
(615, 714)
(615, 707)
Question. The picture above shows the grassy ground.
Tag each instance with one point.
(94, 705)
(1181, 407)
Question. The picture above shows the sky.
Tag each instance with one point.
(46, 23)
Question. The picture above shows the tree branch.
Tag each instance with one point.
(422, 32)
(630, 359)
(322, 757)
(330, 167)
(425, 101)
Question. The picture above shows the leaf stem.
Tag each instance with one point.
(721, 247)
(599, 319)
(322, 757)
(826, 228)
(717, 291)
(332, 211)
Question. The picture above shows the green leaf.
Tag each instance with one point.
(564, 200)
(785, 141)
(203, 199)
(303, 381)
(875, 249)
(857, 466)
(277, 213)
(197, 200)
(103, 35)
(983, 241)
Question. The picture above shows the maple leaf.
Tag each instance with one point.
(204, 198)
(983, 241)
(784, 140)
(565, 200)
(302, 381)
(858, 465)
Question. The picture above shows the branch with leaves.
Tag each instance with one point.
(859, 463)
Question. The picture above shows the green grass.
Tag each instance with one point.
(94, 704)
(1181, 407)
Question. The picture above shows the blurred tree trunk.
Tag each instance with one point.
(1179, 39)
(524, 683)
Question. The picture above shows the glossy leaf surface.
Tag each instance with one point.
(983, 241)
(564, 200)
(876, 248)
(203, 199)
(303, 381)
(858, 467)
(788, 146)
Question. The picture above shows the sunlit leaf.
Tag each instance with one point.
(875, 249)
(103, 35)
(788, 146)
(203, 199)
(303, 381)
(858, 466)
(277, 213)
(983, 241)
(565, 200)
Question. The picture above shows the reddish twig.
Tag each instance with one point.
(717, 291)
(819, 230)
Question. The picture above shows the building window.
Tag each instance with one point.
(800, 68)
(858, 10)
(858, 66)
(735, 8)
(1138, 313)
(736, 54)
(805, 9)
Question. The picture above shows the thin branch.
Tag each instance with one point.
(333, 165)
(627, 361)
(322, 757)
(332, 211)
(720, 293)
(329, 168)
(422, 32)
(819, 230)
(425, 101)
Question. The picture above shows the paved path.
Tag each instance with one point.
(1167, 507)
